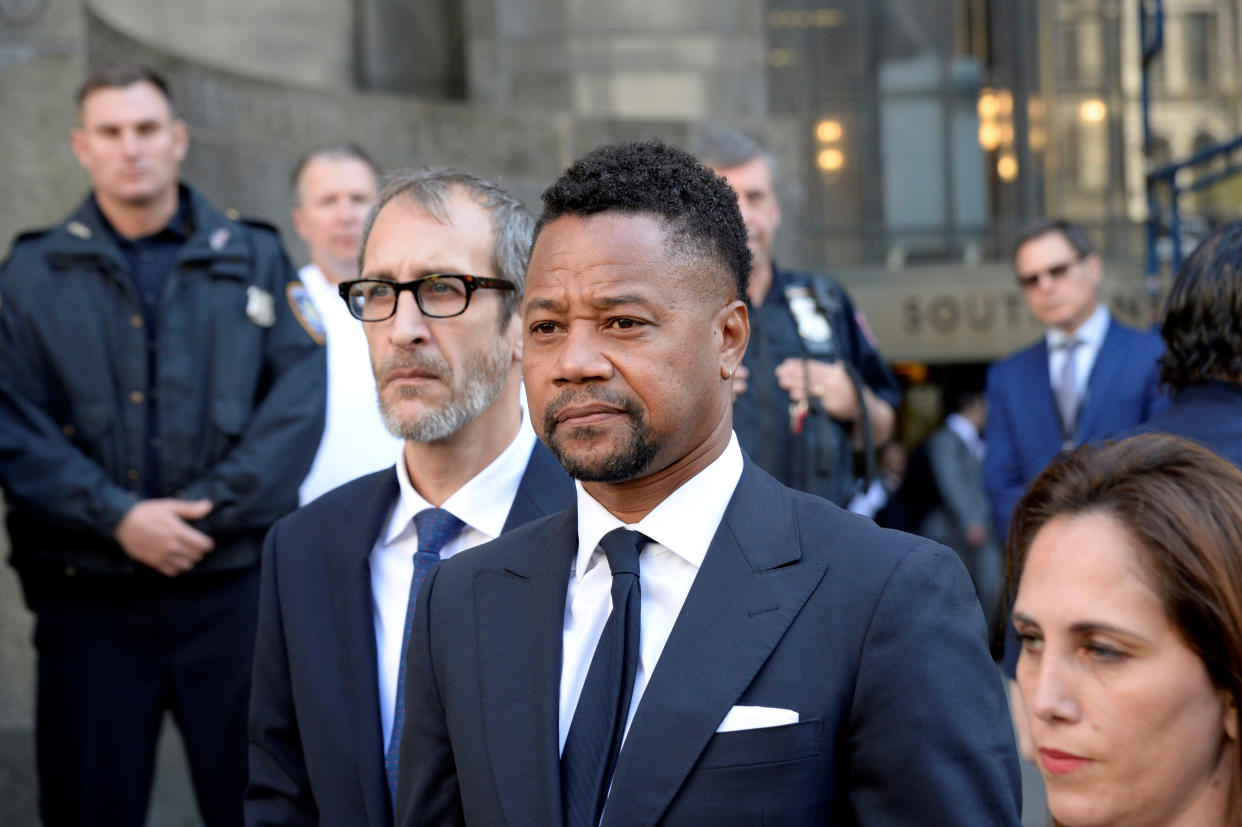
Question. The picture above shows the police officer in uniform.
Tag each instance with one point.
(812, 388)
(160, 400)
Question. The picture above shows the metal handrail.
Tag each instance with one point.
(1151, 35)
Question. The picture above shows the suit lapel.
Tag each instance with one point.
(353, 615)
(1108, 362)
(545, 489)
(1042, 419)
(521, 610)
(752, 584)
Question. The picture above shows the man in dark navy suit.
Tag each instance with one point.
(693, 642)
(1089, 378)
(442, 271)
(1203, 332)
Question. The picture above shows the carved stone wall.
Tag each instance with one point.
(42, 56)
(246, 132)
(298, 42)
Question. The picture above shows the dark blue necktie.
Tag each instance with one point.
(598, 725)
(435, 527)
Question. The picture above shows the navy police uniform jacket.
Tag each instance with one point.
(815, 455)
(231, 378)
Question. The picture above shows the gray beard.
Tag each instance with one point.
(483, 377)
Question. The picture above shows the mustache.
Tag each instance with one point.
(595, 393)
(421, 362)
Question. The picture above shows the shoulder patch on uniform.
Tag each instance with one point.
(304, 311)
(260, 307)
(863, 326)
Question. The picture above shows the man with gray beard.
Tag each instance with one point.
(341, 575)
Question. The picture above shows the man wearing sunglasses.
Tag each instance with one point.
(1088, 378)
(441, 275)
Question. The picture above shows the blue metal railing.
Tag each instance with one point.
(1201, 166)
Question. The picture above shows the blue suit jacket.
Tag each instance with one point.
(874, 637)
(1024, 428)
(316, 743)
(1210, 414)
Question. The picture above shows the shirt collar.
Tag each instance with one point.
(966, 431)
(178, 226)
(483, 503)
(684, 523)
(1091, 332)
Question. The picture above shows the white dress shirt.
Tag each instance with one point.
(681, 528)
(1091, 333)
(355, 441)
(482, 504)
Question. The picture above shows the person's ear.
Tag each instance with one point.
(1093, 268)
(732, 326)
(77, 140)
(181, 139)
(513, 332)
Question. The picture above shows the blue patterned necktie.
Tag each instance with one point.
(435, 527)
(598, 726)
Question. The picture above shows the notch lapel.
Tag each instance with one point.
(1041, 419)
(1108, 362)
(353, 616)
(752, 584)
(519, 670)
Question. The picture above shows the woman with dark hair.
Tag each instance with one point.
(1127, 565)
(1202, 332)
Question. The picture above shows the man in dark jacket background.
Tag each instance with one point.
(813, 388)
(160, 399)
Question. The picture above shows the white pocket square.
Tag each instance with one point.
(756, 717)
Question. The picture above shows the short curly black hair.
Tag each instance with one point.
(699, 209)
(1202, 326)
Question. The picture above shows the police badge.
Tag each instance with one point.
(260, 307)
(813, 326)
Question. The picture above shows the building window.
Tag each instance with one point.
(1198, 51)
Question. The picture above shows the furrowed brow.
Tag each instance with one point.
(609, 302)
(545, 305)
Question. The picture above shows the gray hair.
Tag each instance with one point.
(334, 152)
(721, 148)
(512, 223)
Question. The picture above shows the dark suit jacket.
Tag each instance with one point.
(316, 743)
(1024, 428)
(960, 501)
(874, 637)
(1210, 414)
